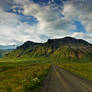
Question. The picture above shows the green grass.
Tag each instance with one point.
(21, 77)
(83, 69)
(43, 59)
(26, 60)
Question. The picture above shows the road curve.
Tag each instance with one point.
(60, 80)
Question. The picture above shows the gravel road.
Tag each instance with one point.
(60, 80)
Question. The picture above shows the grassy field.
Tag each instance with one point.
(83, 69)
(21, 77)
(25, 76)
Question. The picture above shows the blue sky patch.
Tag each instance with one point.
(80, 27)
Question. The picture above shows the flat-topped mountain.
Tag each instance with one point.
(67, 41)
(63, 48)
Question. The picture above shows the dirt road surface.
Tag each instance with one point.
(60, 80)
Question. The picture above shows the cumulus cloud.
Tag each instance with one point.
(14, 31)
(80, 10)
(53, 20)
(81, 35)
(50, 23)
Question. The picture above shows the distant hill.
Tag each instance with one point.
(64, 48)
(3, 47)
(4, 52)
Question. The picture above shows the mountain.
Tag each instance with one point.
(67, 48)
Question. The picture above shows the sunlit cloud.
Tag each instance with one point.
(22, 20)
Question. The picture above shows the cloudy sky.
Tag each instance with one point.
(39, 20)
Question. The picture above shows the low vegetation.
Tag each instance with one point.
(19, 77)
(83, 69)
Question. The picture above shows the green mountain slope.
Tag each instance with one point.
(59, 49)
